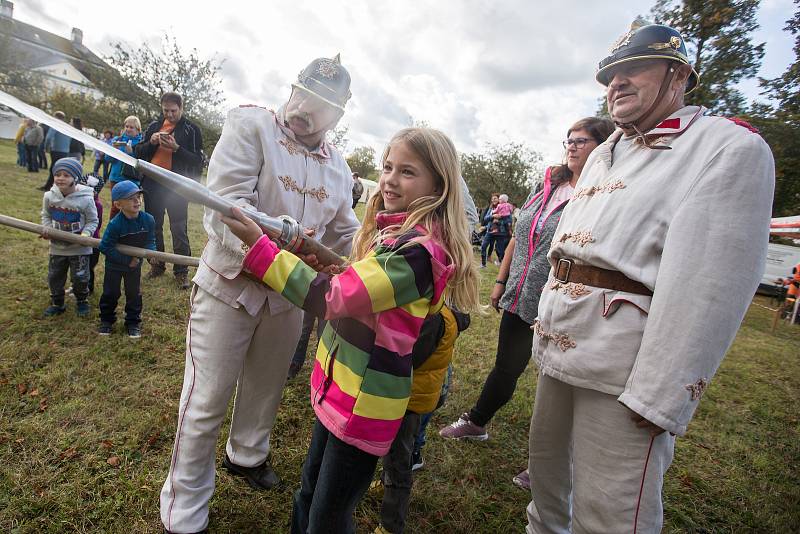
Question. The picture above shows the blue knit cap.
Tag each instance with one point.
(124, 189)
(72, 167)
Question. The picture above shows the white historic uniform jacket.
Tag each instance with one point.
(691, 224)
(258, 162)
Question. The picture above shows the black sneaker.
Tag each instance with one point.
(105, 329)
(294, 370)
(134, 331)
(260, 477)
(417, 462)
(52, 310)
(82, 309)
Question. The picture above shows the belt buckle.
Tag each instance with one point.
(566, 262)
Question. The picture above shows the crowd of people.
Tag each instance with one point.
(604, 277)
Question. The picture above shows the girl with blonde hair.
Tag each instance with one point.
(410, 256)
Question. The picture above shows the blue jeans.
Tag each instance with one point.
(22, 159)
(500, 242)
(335, 477)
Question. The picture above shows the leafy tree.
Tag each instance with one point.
(718, 42)
(512, 169)
(142, 75)
(785, 89)
(602, 108)
(779, 123)
(338, 137)
(362, 160)
(94, 113)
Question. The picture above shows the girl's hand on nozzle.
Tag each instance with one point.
(243, 227)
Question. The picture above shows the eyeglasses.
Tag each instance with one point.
(579, 142)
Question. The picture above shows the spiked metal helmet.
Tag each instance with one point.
(326, 79)
(647, 41)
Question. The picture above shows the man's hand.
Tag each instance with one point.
(134, 263)
(242, 227)
(641, 422)
(45, 233)
(154, 138)
(168, 141)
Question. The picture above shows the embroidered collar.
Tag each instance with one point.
(678, 122)
(323, 151)
(385, 218)
(674, 125)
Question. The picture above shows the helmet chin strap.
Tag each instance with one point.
(666, 82)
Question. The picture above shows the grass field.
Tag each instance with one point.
(87, 423)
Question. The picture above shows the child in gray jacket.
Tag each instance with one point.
(70, 207)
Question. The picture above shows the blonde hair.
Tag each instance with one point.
(443, 215)
(135, 120)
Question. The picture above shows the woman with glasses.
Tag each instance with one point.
(520, 280)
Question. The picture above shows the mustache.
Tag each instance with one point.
(300, 115)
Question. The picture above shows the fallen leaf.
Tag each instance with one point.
(34, 392)
(68, 454)
(113, 461)
(22, 299)
(22, 389)
(3, 379)
(20, 440)
(43, 404)
(106, 444)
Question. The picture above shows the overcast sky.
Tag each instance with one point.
(481, 71)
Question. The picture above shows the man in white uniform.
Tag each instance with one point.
(242, 335)
(635, 319)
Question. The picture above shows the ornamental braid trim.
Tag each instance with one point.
(562, 341)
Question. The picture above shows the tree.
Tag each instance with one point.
(362, 161)
(785, 89)
(779, 123)
(144, 74)
(512, 169)
(718, 41)
(338, 137)
(602, 108)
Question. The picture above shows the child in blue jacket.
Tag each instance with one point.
(133, 227)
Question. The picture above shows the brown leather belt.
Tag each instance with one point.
(569, 271)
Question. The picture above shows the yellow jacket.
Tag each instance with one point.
(429, 377)
(20, 133)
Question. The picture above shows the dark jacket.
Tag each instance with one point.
(139, 232)
(188, 160)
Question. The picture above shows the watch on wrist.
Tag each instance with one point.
(501, 282)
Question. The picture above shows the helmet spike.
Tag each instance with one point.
(337, 59)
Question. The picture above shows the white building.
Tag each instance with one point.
(64, 63)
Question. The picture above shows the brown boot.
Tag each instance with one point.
(182, 280)
(156, 270)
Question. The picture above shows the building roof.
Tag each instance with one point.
(38, 47)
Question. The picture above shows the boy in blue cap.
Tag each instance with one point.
(133, 227)
(68, 206)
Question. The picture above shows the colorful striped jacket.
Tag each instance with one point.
(361, 381)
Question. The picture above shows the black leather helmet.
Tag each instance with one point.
(647, 41)
(326, 79)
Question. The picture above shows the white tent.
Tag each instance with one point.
(9, 123)
(369, 188)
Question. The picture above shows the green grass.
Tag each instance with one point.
(70, 400)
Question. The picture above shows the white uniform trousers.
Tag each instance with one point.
(591, 468)
(225, 347)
